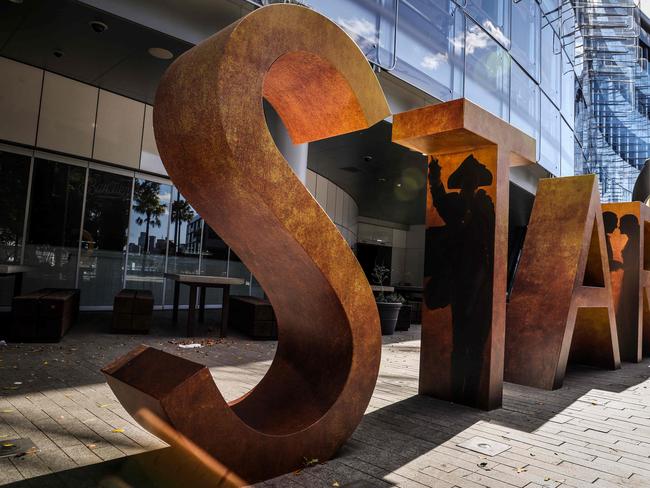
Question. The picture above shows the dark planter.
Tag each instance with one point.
(388, 313)
(404, 317)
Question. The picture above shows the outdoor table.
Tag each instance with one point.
(202, 282)
(16, 271)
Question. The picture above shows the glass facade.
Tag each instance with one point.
(515, 59)
(100, 229)
(612, 123)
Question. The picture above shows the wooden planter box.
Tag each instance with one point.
(253, 316)
(132, 312)
(44, 315)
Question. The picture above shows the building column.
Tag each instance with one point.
(295, 154)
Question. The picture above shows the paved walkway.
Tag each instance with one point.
(594, 432)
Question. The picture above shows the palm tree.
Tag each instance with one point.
(147, 203)
(181, 212)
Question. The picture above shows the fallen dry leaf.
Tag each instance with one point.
(117, 431)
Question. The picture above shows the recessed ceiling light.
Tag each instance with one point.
(160, 53)
(16, 1)
(381, 180)
(367, 158)
(398, 185)
(58, 53)
(98, 26)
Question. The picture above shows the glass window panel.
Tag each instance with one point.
(148, 228)
(52, 241)
(524, 102)
(568, 151)
(104, 237)
(214, 261)
(185, 231)
(487, 71)
(425, 46)
(526, 25)
(550, 137)
(568, 90)
(493, 15)
(370, 23)
(14, 175)
(237, 269)
(256, 288)
(551, 65)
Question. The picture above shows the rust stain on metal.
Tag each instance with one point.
(625, 225)
(561, 303)
(213, 139)
(463, 317)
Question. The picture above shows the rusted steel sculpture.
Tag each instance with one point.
(561, 302)
(466, 246)
(625, 225)
(212, 136)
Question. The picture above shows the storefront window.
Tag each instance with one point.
(185, 230)
(237, 269)
(214, 260)
(14, 175)
(524, 102)
(487, 71)
(52, 240)
(526, 24)
(147, 247)
(104, 237)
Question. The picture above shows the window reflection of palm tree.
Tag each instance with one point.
(146, 197)
(181, 212)
(460, 263)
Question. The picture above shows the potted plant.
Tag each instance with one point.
(387, 305)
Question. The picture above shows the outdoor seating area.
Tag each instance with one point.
(314, 243)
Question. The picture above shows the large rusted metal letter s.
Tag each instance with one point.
(213, 139)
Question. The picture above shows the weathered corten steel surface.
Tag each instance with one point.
(561, 303)
(624, 224)
(213, 139)
(463, 316)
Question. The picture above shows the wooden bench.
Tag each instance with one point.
(44, 315)
(253, 316)
(132, 311)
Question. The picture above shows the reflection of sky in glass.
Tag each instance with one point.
(524, 102)
(424, 49)
(487, 72)
(164, 197)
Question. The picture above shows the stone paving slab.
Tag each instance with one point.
(594, 432)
